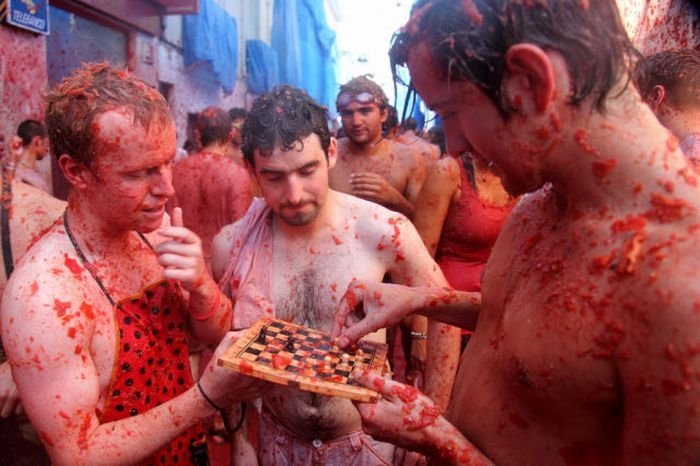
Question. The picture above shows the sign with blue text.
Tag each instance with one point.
(32, 15)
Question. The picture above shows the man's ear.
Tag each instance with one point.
(656, 97)
(332, 153)
(529, 75)
(384, 114)
(75, 172)
(36, 143)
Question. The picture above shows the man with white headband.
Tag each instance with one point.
(370, 166)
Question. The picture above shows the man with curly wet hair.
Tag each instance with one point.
(292, 256)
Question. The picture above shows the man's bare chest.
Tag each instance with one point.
(308, 287)
(391, 168)
(552, 323)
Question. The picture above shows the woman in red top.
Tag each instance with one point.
(459, 213)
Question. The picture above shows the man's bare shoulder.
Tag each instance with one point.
(405, 153)
(41, 203)
(343, 145)
(34, 212)
(228, 236)
(369, 217)
(670, 264)
(49, 272)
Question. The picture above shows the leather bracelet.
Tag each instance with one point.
(419, 335)
(213, 309)
(237, 427)
(204, 395)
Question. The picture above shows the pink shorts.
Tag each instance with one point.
(280, 447)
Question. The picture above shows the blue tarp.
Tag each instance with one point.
(262, 66)
(212, 35)
(305, 48)
(285, 40)
(418, 114)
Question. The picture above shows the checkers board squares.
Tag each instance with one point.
(281, 352)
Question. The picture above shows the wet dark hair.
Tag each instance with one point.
(214, 126)
(238, 113)
(677, 70)
(93, 89)
(281, 119)
(468, 40)
(409, 124)
(436, 135)
(392, 120)
(29, 129)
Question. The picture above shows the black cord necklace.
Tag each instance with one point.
(83, 259)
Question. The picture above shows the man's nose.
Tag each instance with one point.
(294, 190)
(356, 118)
(163, 185)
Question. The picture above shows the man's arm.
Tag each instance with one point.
(443, 341)
(368, 306)
(182, 259)
(220, 251)
(49, 346)
(406, 417)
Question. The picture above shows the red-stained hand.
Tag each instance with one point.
(224, 386)
(375, 188)
(181, 256)
(9, 397)
(367, 306)
(401, 415)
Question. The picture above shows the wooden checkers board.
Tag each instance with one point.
(304, 358)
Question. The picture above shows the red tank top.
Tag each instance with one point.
(152, 366)
(467, 236)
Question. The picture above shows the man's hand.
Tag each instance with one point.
(181, 256)
(375, 188)
(9, 397)
(224, 386)
(368, 306)
(406, 417)
(402, 414)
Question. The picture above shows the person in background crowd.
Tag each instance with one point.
(35, 147)
(669, 82)
(238, 116)
(212, 190)
(369, 165)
